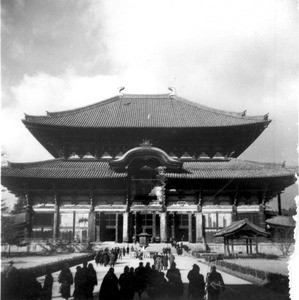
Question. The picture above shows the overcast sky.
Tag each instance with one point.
(231, 55)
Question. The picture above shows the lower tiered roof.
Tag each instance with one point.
(97, 169)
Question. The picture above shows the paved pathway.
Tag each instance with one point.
(236, 288)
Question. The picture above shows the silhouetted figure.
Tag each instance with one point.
(165, 261)
(91, 281)
(65, 278)
(215, 284)
(48, 285)
(80, 281)
(175, 285)
(158, 287)
(126, 284)
(196, 283)
(109, 288)
(140, 279)
(132, 275)
(31, 288)
(10, 282)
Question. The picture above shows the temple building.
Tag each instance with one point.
(158, 164)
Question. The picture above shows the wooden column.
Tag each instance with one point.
(173, 226)
(250, 245)
(224, 242)
(234, 208)
(256, 245)
(190, 227)
(199, 227)
(28, 217)
(154, 226)
(163, 227)
(125, 227)
(279, 204)
(91, 221)
(135, 225)
(74, 224)
(56, 218)
(247, 251)
(116, 228)
(262, 211)
(98, 226)
(232, 244)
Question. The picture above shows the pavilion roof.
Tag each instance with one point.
(284, 221)
(145, 111)
(95, 168)
(240, 228)
(62, 168)
(234, 168)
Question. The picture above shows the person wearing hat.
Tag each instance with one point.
(215, 284)
(9, 269)
(196, 283)
(79, 292)
(175, 287)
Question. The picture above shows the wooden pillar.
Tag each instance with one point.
(234, 208)
(135, 225)
(246, 246)
(199, 227)
(227, 244)
(163, 227)
(250, 245)
(91, 222)
(173, 226)
(190, 227)
(262, 217)
(224, 242)
(28, 217)
(98, 226)
(116, 228)
(256, 245)
(125, 227)
(232, 244)
(279, 204)
(74, 224)
(154, 225)
(56, 218)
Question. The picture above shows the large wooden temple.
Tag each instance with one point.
(134, 163)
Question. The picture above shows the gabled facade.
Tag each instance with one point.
(157, 163)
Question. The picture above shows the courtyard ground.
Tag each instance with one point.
(236, 288)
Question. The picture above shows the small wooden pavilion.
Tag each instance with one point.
(242, 229)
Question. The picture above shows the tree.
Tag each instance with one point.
(19, 206)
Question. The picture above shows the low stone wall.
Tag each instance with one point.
(58, 265)
(273, 281)
(268, 248)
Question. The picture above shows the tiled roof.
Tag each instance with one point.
(238, 226)
(93, 168)
(282, 221)
(234, 168)
(60, 168)
(148, 111)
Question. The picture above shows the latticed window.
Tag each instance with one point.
(42, 219)
(183, 220)
(147, 220)
(110, 220)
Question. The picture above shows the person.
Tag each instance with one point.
(31, 288)
(140, 279)
(158, 287)
(196, 283)
(215, 284)
(48, 285)
(175, 285)
(126, 284)
(65, 278)
(9, 269)
(133, 277)
(80, 281)
(91, 281)
(109, 287)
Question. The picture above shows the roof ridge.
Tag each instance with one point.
(219, 111)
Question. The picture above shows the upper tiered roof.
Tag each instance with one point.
(145, 111)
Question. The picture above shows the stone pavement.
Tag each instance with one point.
(236, 288)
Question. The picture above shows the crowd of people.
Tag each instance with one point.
(149, 278)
